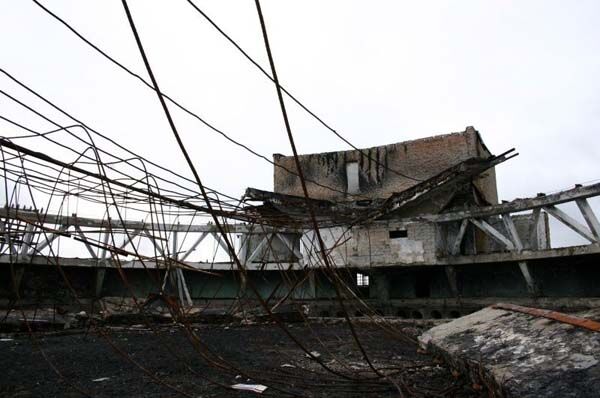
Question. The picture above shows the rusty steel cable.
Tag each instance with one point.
(185, 109)
(163, 202)
(293, 98)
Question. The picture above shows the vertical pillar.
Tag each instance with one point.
(452, 280)
(312, 284)
(18, 271)
(379, 286)
(101, 269)
(531, 286)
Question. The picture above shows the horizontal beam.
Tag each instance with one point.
(148, 264)
(116, 226)
(525, 255)
(500, 257)
(514, 206)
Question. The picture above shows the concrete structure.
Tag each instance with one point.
(523, 354)
(382, 171)
(441, 246)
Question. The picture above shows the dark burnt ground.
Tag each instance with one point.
(262, 351)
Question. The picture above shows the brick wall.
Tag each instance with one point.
(421, 159)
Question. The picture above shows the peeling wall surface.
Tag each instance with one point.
(380, 243)
(395, 243)
(420, 159)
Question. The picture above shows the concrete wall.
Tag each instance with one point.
(381, 243)
(421, 159)
(523, 224)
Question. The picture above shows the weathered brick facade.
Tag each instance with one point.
(420, 159)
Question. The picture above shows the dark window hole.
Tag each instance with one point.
(399, 233)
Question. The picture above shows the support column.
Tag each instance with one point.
(312, 285)
(379, 287)
(452, 280)
(18, 270)
(531, 286)
(101, 269)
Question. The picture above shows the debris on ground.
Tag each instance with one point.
(257, 388)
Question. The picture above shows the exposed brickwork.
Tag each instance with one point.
(421, 159)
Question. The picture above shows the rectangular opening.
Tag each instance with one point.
(398, 233)
(352, 177)
(362, 280)
(423, 284)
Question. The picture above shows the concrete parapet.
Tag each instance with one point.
(519, 355)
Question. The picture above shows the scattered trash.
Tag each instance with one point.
(257, 388)
(313, 354)
(101, 379)
(238, 377)
(6, 339)
(287, 365)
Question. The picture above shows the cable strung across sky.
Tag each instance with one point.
(211, 126)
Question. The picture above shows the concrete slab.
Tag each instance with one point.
(519, 355)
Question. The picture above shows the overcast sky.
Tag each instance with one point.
(524, 73)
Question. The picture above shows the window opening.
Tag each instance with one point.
(362, 279)
(399, 233)
(352, 177)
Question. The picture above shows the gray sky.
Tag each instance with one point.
(524, 73)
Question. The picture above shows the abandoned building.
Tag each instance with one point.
(409, 230)
(416, 226)
(397, 270)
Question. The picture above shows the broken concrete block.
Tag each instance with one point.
(519, 355)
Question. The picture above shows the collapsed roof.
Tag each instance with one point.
(450, 189)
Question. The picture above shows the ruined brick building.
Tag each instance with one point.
(414, 229)
(395, 183)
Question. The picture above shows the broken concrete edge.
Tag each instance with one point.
(520, 354)
(471, 369)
